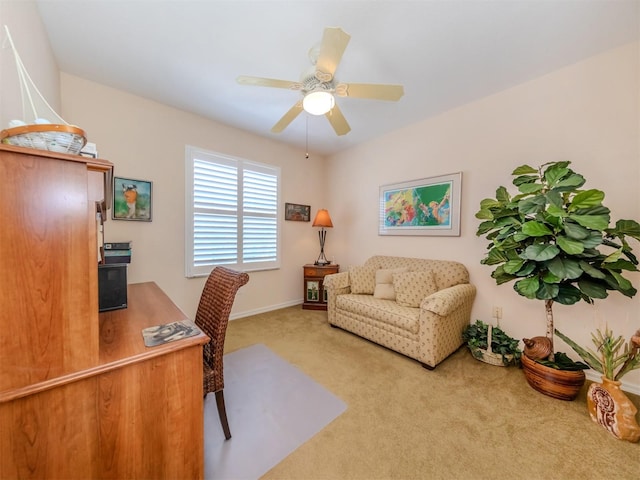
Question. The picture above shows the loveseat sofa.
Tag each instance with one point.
(414, 306)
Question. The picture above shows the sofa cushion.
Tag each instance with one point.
(375, 310)
(384, 283)
(412, 287)
(362, 279)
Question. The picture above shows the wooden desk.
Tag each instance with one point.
(138, 413)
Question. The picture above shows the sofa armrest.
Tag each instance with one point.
(445, 301)
(336, 281)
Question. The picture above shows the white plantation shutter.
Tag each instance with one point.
(232, 213)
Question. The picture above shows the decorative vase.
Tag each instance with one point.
(560, 384)
(610, 407)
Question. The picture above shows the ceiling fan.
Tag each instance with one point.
(318, 85)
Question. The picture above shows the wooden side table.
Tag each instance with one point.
(315, 297)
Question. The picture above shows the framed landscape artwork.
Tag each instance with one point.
(131, 199)
(429, 206)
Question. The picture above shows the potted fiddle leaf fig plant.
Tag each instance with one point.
(554, 240)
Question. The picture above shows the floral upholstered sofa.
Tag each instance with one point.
(414, 306)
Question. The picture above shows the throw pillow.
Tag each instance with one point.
(362, 279)
(384, 283)
(412, 287)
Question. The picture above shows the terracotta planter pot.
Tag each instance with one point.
(611, 408)
(560, 384)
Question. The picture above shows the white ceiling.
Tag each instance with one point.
(188, 53)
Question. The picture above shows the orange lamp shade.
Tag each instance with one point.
(322, 219)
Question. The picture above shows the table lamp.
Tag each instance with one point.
(322, 220)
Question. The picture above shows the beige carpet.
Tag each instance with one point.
(464, 420)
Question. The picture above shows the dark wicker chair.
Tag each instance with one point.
(212, 317)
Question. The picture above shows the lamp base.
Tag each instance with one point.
(321, 263)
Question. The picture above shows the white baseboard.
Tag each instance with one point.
(627, 387)
(270, 308)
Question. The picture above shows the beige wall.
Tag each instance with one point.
(32, 44)
(587, 113)
(146, 140)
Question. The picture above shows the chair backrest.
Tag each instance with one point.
(212, 316)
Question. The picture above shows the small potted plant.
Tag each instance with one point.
(607, 403)
(491, 344)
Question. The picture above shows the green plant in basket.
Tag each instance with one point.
(476, 335)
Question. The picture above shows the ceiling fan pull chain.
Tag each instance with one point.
(306, 144)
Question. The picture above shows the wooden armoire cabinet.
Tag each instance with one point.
(80, 395)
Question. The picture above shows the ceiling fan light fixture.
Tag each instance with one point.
(318, 102)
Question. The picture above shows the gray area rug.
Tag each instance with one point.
(272, 407)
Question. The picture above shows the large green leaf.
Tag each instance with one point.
(522, 179)
(568, 295)
(613, 257)
(565, 268)
(532, 205)
(570, 246)
(523, 170)
(530, 187)
(570, 183)
(547, 291)
(554, 173)
(622, 265)
(555, 199)
(575, 231)
(592, 289)
(550, 278)
(489, 203)
(501, 276)
(535, 229)
(591, 271)
(625, 227)
(556, 211)
(485, 227)
(512, 266)
(484, 214)
(527, 287)
(593, 240)
(494, 257)
(540, 252)
(623, 283)
(519, 237)
(502, 195)
(586, 199)
(504, 221)
(594, 222)
(528, 268)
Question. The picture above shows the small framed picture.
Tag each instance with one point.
(297, 213)
(132, 199)
(313, 291)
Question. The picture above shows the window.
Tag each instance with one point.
(231, 213)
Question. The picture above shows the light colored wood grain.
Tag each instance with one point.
(80, 394)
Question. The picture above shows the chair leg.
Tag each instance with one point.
(222, 412)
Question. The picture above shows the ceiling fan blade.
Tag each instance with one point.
(287, 118)
(337, 121)
(371, 90)
(334, 43)
(268, 82)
